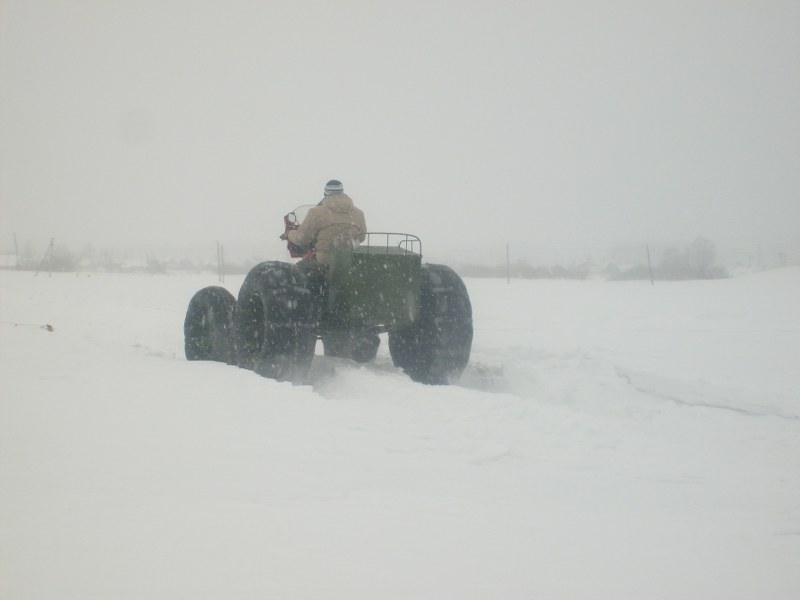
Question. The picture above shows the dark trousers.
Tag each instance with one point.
(317, 283)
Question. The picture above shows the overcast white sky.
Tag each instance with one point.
(564, 122)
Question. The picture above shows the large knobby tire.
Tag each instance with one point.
(435, 348)
(208, 330)
(362, 348)
(275, 327)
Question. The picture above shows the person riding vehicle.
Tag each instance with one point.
(334, 217)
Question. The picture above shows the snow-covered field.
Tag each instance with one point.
(608, 440)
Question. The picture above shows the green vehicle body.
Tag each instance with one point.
(374, 287)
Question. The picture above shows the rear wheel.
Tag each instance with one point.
(435, 348)
(275, 328)
(208, 329)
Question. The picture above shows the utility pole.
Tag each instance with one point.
(508, 266)
(650, 265)
(16, 250)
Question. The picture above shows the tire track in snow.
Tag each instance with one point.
(765, 412)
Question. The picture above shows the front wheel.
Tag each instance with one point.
(208, 329)
(435, 348)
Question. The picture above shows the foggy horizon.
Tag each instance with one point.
(473, 125)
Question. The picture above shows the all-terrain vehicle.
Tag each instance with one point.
(378, 286)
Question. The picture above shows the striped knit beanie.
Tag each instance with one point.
(334, 186)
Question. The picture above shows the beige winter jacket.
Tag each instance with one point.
(335, 216)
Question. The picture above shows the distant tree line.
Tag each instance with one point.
(522, 269)
(60, 258)
(695, 261)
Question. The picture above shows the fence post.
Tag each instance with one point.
(48, 256)
(220, 262)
